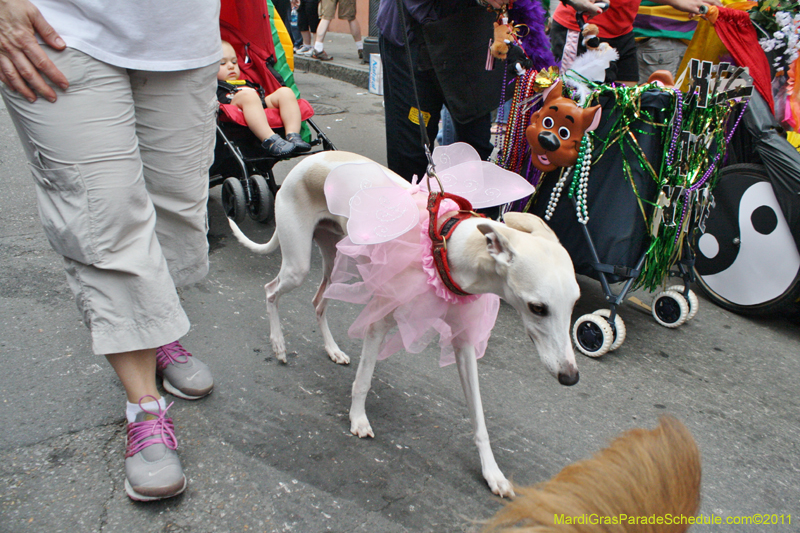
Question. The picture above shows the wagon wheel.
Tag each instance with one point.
(746, 202)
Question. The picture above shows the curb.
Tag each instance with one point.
(354, 76)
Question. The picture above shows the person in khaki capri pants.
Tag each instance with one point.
(115, 108)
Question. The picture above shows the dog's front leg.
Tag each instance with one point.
(359, 424)
(468, 372)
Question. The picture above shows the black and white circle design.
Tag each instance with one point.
(747, 254)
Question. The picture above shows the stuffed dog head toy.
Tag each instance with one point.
(556, 130)
(503, 37)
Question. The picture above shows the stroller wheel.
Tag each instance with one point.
(233, 200)
(670, 309)
(592, 335)
(262, 204)
(691, 299)
(618, 328)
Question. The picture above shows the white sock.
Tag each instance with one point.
(360, 45)
(133, 409)
(319, 46)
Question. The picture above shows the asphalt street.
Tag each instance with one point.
(270, 450)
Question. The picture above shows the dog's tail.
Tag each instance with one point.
(266, 248)
(642, 474)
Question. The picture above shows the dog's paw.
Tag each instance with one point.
(500, 485)
(360, 428)
(339, 357)
(279, 349)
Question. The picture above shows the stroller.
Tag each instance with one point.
(619, 242)
(240, 165)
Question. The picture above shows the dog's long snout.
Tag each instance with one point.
(549, 141)
(568, 378)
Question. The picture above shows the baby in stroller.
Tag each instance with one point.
(250, 98)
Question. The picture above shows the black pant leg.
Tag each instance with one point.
(405, 154)
(477, 134)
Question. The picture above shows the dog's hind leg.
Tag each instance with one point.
(326, 241)
(295, 264)
(468, 372)
(359, 423)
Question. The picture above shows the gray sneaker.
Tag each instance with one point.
(152, 468)
(183, 375)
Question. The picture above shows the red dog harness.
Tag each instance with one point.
(439, 236)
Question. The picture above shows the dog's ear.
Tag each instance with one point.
(592, 115)
(554, 91)
(529, 224)
(497, 245)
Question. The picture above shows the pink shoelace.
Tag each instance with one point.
(161, 430)
(171, 353)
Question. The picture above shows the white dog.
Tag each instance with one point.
(521, 261)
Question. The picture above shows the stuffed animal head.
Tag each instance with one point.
(662, 77)
(503, 37)
(556, 130)
(591, 33)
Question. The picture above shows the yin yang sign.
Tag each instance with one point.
(747, 254)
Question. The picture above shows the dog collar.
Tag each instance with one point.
(439, 235)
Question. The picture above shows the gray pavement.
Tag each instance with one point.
(345, 65)
(270, 449)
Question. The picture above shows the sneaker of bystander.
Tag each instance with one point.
(183, 375)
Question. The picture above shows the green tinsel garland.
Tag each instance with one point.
(690, 166)
(689, 173)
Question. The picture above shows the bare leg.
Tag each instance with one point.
(306, 37)
(359, 423)
(322, 29)
(468, 372)
(137, 372)
(250, 104)
(286, 102)
(355, 30)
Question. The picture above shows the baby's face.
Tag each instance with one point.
(228, 66)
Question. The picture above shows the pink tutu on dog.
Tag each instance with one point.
(398, 278)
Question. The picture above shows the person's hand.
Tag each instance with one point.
(22, 59)
(588, 7)
(295, 4)
(695, 7)
(497, 4)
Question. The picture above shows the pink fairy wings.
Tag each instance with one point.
(379, 208)
(484, 184)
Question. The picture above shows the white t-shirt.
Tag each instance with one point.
(156, 35)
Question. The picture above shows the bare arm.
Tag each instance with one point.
(690, 6)
(588, 7)
(23, 62)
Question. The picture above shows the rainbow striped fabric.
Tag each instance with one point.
(656, 20)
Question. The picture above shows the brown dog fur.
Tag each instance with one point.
(642, 473)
